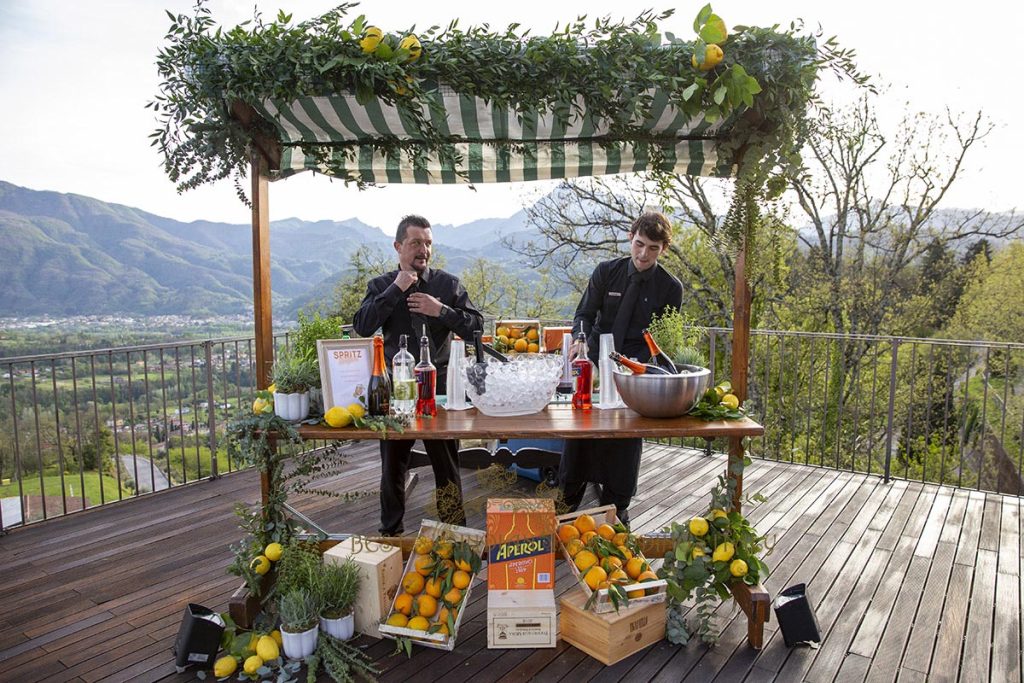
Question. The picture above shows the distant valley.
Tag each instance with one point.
(66, 254)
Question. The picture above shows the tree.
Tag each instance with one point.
(991, 306)
(498, 293)
(365, 264)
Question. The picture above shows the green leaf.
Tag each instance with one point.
(714, 30)
(720, 94)
(702, 17)
(690, 90)
(364, 93)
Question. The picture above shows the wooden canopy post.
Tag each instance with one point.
(261, 271)
(740, 362)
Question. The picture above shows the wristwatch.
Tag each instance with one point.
(444, 309)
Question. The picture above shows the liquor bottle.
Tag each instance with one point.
(659, 357)
(583, 375)
(403, 379)
(426, 380)
(636, 367)
(378, 395)
(565, 384)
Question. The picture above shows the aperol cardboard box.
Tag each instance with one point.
(520, 540)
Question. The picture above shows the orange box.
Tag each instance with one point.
(520, 539)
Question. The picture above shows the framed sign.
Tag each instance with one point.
(345, 367)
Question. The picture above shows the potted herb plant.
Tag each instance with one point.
(338, 588)
(293, 376)
(299, 626)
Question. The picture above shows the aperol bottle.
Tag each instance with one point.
(637, 368)
(378, 394)
(659, 357)
(583, 375)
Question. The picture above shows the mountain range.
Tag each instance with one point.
(66, 254)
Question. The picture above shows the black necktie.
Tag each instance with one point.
(625, 313)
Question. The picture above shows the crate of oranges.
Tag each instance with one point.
(436, 585)
(517, 336)
(606, 561)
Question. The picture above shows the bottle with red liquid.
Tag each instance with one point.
(426, 380)
(583, 375)
(378, 394)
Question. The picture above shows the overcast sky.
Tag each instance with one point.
(75, 76)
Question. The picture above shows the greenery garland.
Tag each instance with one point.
(767, 75)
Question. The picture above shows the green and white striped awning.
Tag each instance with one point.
(334, 135)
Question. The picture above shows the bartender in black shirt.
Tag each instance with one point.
(621, 298)
(402, 302)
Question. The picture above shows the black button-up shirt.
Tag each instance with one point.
(385, 308)
(595, 315)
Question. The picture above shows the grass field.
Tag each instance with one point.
(30, 486)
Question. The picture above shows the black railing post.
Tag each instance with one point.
(211, 409)
(892, 407)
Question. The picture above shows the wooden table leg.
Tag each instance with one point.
(756, 604)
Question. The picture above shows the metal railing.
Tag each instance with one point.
(83, 429)
(88, 428)
(931, 410)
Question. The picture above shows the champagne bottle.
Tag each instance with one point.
(378, 394)
(636, 367)
(659, 357)
(426, 380)
(403, 379)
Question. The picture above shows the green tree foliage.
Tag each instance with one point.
(991, 306)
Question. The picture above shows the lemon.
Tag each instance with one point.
(730, 401)
(418, 624)
(276, 635)
(412, 44)
(738, 568)
(225, 666)
(260, 564)
(371, 39)
(267, 648)
(712, 58)
(338, 417)
(272, 388)
(502, 332)
(696, 552)
(724, 552)
(273, 551)
(262, 405)
(356, 410)
(399, 620)
(698, 526)
(718, 512)
(252, 664)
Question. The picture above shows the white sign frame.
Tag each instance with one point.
(345, 369)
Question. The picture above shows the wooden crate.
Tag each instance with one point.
(603, 604)
(380, 568)
(433, 529)
(521, 619)
(610, 637)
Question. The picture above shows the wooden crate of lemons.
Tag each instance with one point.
(517, 336)
(436, 585)
(601, 553)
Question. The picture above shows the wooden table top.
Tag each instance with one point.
(555, 421)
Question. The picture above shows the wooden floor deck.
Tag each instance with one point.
(910, 582)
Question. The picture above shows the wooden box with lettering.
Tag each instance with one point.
(521, 619)
(380, 567)
(610, 637)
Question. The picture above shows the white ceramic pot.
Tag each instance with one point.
(342, 628)
(291, 407)
(299, 645)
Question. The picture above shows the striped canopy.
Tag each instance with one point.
(335, 134)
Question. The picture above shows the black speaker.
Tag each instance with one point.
(796, 618)
(198, 638)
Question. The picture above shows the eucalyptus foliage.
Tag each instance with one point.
(764, 82)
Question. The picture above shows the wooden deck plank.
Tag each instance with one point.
(978, 637)
(830, 529)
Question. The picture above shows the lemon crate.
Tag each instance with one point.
(477, 540)
(603, 604)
